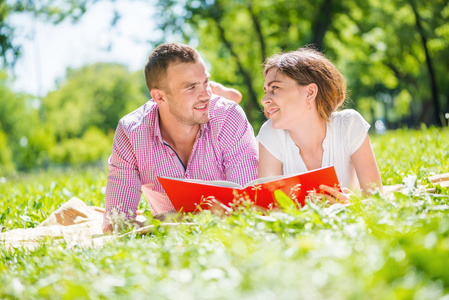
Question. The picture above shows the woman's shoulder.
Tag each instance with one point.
(351, 127)
(347, 118)
(346, 114)
(268, 130)
(271, 136)
(274, 140)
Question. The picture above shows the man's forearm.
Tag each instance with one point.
(228, 93)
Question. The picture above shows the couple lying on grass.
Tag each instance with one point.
(189, 130)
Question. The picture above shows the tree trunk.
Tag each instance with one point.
(246, 75)
(321, 24)
(433, 82)
(258, 29)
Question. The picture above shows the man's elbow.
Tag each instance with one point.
(235, 95)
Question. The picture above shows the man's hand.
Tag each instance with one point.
(228, 93)
(134, 223)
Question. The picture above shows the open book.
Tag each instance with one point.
(187, 194)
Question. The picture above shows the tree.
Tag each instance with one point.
(22, 144)
(96, 95)
(50, 10)
(384, 48)
(81, 117)
(237, 35)
(393, 44)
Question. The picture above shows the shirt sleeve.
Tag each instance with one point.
(356, 127)
(123, 188)
(240, 153)
(271, 139)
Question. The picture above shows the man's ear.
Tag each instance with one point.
(158, 96)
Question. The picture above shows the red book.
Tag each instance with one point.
(187, 194)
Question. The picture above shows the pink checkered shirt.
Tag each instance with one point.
(224, 149)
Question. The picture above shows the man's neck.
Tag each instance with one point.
(180, 137)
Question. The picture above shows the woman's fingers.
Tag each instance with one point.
(334, 192)
(345, 190)
(326, 197)
(334, 195)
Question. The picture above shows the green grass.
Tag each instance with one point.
(377, 248)
(405, 152)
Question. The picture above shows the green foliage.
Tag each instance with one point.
(34, 148)
(97, 95)
(24, 142)
(284, 201)
(73, 124)
(6, 162)
(91, 147)
(377, 45)
(377, 248)
(13, 107)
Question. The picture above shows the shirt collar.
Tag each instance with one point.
(204, 128)
(157, 128)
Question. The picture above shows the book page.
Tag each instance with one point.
(222, 183)
(266, 179)
(274, 178)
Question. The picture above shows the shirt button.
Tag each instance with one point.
(173, 154)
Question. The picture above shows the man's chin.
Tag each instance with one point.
(204, 120)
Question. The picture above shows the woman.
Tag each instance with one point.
(303, 90)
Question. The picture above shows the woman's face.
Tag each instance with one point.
(285, 101)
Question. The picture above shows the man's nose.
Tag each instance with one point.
(206, 91)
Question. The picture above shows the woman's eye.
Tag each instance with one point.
(191, 87)
(274, 88)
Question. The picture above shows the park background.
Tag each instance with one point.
(71, 69)
(393, 53)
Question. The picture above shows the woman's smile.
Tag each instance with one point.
(272, 110)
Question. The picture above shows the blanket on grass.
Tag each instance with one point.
(75, 223)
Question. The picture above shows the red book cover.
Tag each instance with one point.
(187, 194)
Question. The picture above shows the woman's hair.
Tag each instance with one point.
(306, 66)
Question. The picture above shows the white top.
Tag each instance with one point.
(345, 133)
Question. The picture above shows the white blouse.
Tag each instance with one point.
(345, 133)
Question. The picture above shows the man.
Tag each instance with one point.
(184, 131)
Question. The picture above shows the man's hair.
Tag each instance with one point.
(307, 65)
(164, 56)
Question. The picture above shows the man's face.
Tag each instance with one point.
(188, 92)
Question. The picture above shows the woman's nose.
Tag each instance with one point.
(265, 100)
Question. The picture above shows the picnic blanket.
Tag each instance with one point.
(74, 223)
(79, 224)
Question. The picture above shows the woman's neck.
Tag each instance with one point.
(309, 135)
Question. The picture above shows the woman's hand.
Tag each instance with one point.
(334, 196)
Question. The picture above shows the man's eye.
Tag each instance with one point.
(191, 87)
(274, 88)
